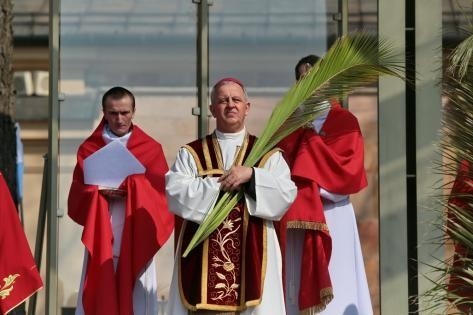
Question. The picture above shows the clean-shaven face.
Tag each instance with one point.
(119, 113)
(230, 107)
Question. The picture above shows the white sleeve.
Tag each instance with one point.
(189, 195)
(331, 196)
(275, 191)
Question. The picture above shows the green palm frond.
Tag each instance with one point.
(352, 62)
(461, 58)
(457, 226)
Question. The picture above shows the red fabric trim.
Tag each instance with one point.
(332, 159)
(17, 262)
(148, 224)
(307, 208)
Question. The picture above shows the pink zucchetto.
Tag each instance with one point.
(229, 79)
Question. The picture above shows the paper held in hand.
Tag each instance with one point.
(109, 166)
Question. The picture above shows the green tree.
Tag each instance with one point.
(7, 102)
(7, 98)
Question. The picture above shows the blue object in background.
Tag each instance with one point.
(19, 163)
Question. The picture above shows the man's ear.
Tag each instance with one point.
(248, 105)
(211, 108)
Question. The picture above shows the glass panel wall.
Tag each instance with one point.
(147, 46)
(260, 42)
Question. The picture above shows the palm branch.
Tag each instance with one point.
(352, 62)
(457, 226)
(464, 51)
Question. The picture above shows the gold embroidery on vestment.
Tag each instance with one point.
(6, 289)
(227, 286)
(226, 283)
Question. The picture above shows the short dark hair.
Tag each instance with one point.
(118, 92)
(310, 59)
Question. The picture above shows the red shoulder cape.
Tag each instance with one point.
(332, 159)
(18, 271)
(148, 224)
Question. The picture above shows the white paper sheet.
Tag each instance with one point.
(109, 166)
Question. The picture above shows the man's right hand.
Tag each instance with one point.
(112, 192)
(235, 177)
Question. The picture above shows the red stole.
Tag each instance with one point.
(225, 272)
(332, 159)
(18, 273)
(461, 196)
(148, 224)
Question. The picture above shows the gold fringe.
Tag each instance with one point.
(307, 225)
(326, 295)
(212, 313)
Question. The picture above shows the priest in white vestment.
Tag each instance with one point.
(238, 269)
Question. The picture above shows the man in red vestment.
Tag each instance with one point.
(18, 273)
(124, 227)
(459, 283)
(318, 235)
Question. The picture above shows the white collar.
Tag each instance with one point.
(230, 136)
(108, 136)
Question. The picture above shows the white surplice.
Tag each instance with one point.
(346, 266)
(190, 195)
(145, 296)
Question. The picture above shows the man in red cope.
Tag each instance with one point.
(125, 227)
(324, 269)
(18, 273)
(237, 269)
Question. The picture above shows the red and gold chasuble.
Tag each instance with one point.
(226, 272)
